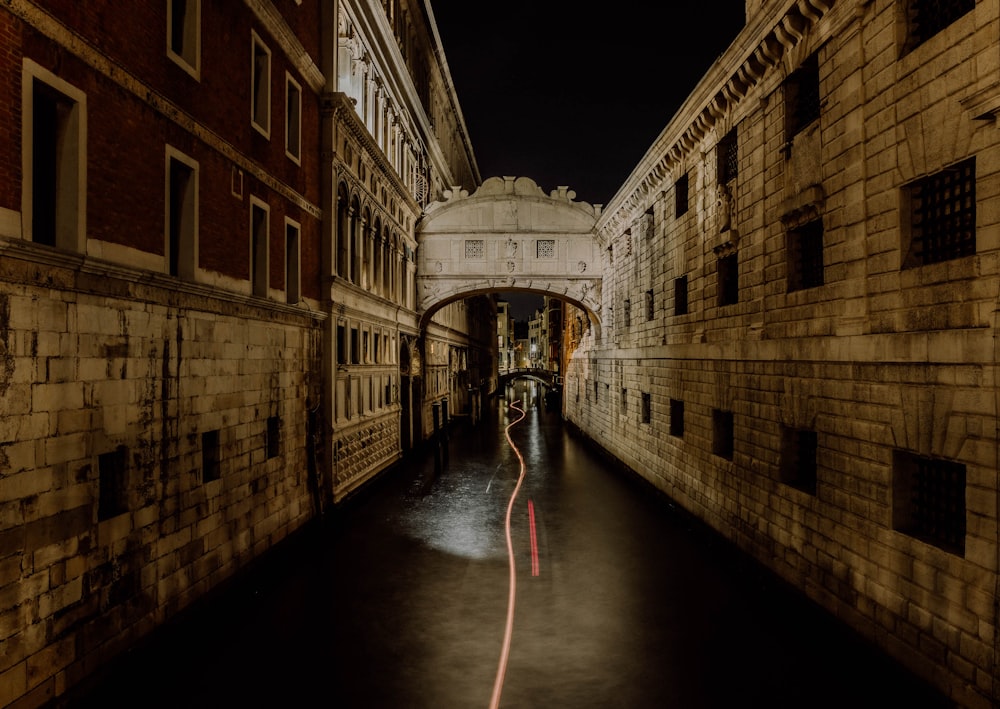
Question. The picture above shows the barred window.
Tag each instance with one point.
(649, 305)
(798, 459)
(475, 249)
(628, 313)
(802, 99)
(728, 158)
(805, 256)
(624, 400)
(928, 500)
(681, 195)
(545, 248)
(646, 407)
(925, 18)
(942, 211)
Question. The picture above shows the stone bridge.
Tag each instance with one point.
(509, 236)
(544, 376)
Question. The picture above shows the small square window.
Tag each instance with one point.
(545, 248)
(797, 466)
(677, 418)
(928, 500)
(475, 249)
(722, 433)
(729, 290)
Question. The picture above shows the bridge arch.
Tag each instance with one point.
(508, 236)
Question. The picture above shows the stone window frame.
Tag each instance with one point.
(184, 42)
(293, 119)
(802, 98)
(260, 251)
(181, 241)
(70, 204)
(928, 500)
(293, 261)
(927, 235)
(682, 197)
(260, 85)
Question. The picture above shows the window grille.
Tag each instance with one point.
(545, 248)
(475, 249)
(943, 215)
(805, 256)
(929, 500)
(728, 166)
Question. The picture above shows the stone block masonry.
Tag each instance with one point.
(111, 399)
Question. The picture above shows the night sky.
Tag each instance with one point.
(569, 97)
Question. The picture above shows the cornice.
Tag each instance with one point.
(755, 53)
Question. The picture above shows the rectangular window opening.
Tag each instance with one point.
(728, 165)
(928, 500)
(293, 119)
(797, 466)
(681, 196)
(259, 236)
(182, 216)
(729, 288)
(677, 418)
(184, 34)
(113, 473)
(273, 442)
(260, 87)
(293, 264)
(722, 433)
(942, 211)
(210, 466)
(681, 295)
(805, 256)
(646, 407)
(802, 98)
(925, 18)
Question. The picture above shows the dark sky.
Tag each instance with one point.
(573, 97)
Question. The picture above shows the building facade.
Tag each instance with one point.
(799, 318)
(208, 328)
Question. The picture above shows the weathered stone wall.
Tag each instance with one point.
(881, 361)
(94, 364)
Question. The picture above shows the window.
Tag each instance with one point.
(595, 391)
(681, 295)
(628, 312)
(181, 217)
(942, 209)
(928, 500)
(925, 18)
(293, 119)
(646, 407)
(802, 100)
(355, 346)
(545, 248)
(210, 468)
(677, 418)
(649, 224)
(293, 263)
(475, 249)
(112, 470)
(797, 466)
(649, 304)
(624, 400)
(260, 86)
(681, 196)
(728, 158)
(54, 135)
(729, 291)
(272, 442)
(722, 433)
(805, 256)
(341, 344)
(184, 35)
(259, 234)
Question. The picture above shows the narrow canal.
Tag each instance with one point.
(403, 599)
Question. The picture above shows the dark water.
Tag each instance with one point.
(401, 600)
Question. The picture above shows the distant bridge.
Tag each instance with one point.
(546, 377)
